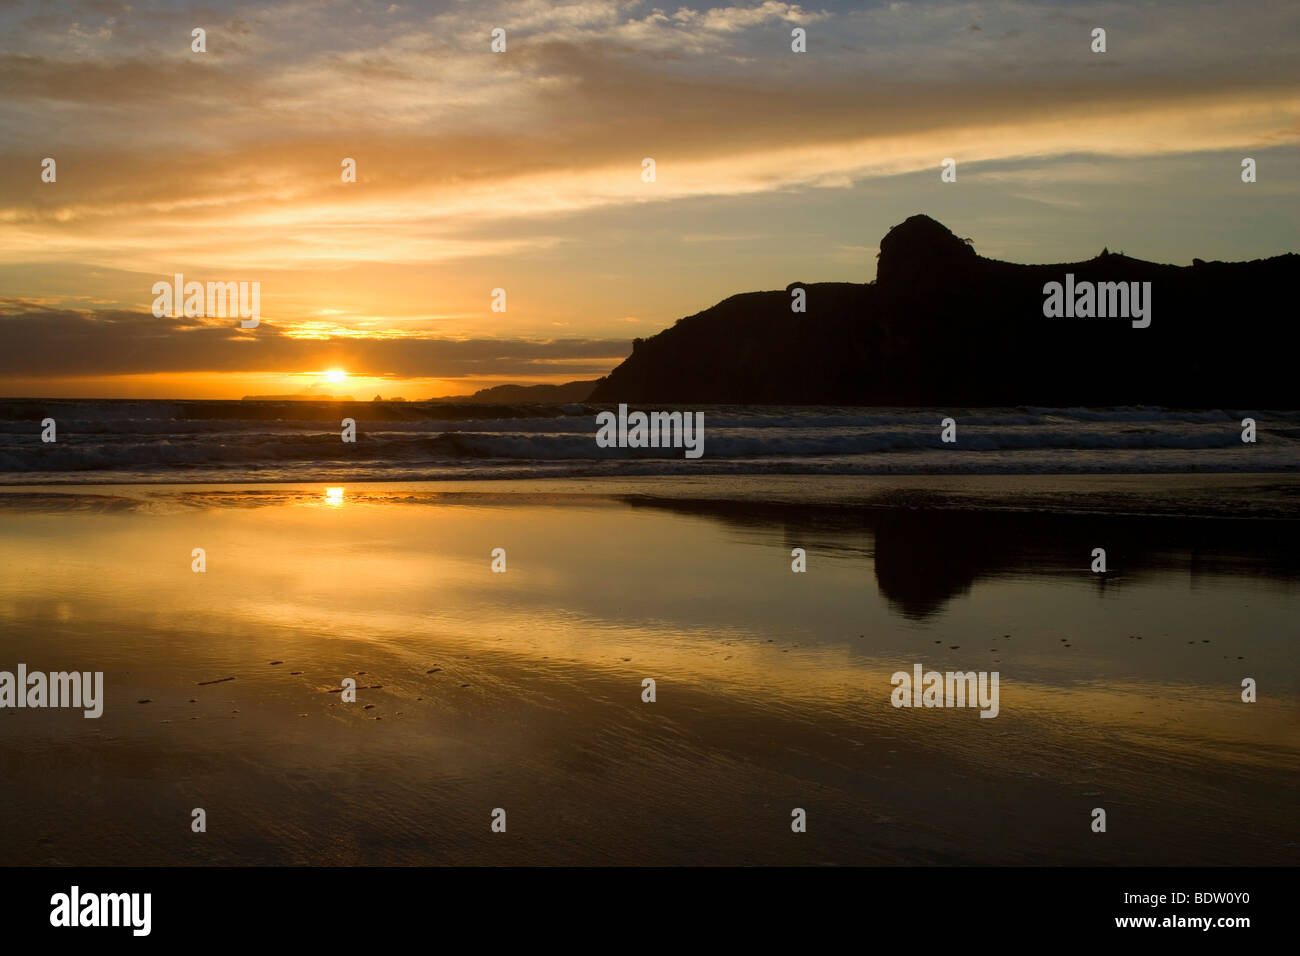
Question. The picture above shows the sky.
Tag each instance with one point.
(523, 170)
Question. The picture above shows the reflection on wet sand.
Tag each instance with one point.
(523, 689)
(923, 557)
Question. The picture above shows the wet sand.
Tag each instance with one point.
(522, 690)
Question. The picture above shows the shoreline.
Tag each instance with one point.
(1266, 496)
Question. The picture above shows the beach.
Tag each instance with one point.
(523, 690)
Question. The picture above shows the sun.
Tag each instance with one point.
(335, 375)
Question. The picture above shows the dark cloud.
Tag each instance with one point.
(60, 342)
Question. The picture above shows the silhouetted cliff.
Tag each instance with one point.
(942, 325)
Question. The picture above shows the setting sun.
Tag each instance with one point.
(336, 375)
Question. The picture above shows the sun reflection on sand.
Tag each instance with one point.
(538, 673)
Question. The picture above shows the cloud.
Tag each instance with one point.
(67, 343)
(228, 163)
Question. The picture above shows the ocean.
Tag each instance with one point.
(116, 441)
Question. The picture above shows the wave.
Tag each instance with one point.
(126, 441)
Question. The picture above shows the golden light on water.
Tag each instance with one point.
(334, 496)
